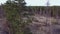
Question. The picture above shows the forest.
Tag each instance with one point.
(19, 16)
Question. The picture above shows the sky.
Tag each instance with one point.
(39, 2)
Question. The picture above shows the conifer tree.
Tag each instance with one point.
(14, 10)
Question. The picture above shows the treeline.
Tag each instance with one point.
(52, 11)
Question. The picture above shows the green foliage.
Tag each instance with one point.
(14, 14)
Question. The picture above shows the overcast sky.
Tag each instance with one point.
(38, 2)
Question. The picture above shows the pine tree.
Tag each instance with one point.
(14, 10)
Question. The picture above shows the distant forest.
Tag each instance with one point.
(52, 10)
